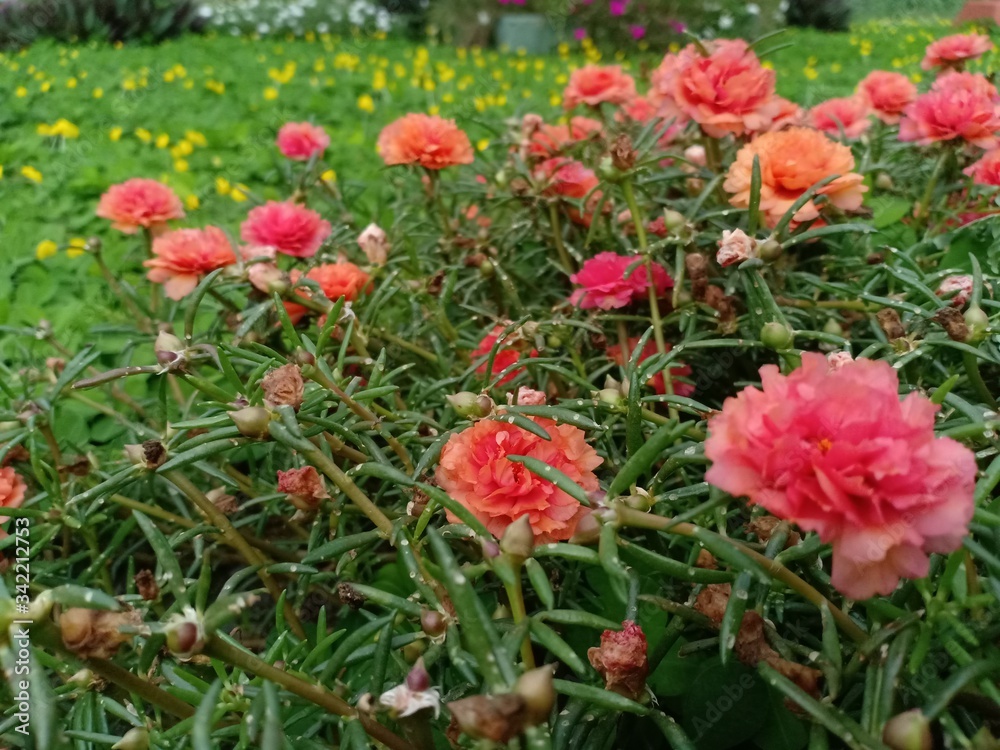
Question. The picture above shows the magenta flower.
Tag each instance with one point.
(638, 32)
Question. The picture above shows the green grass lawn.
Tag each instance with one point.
(201, 113)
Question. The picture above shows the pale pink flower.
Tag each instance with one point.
(955, 50)
(848, 114)
(735, 247)
(374, 244)
(888, 94)
(960, 286)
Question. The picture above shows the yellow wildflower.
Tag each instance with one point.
(46, 249)
(270, 93)
(116, 133)
(366, 103)
(31, 173)
(191, 202)
(98, 93)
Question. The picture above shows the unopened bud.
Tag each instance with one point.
(136, 738)
(471, 405)
(186, 634)
(890, 323)
(501, 178)
(82, 679)
(418, 679)
(413, 650)
(518, 540)
(623, 155)
(769, 249)
(978, 322)
(908, 731)
(433, 623)
(588, 530)
(884, 181)
(606, 169)
(491, 549)
(610, 396)
(487, 270)
(777, 336)
(539, 694)
(674, 220)
(169, 349)
(640, 500)
(252, 421)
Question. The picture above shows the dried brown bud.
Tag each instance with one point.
(222, 500)
(889, 322)
(433, 623)
(146, 585)
(284, 386)
(151, 454)
(706, 560)
(375, 244)
(623, 154)
(350, 596)
(696, 265)
(304, 487)
(95, 634)
(953, 322)
(499, 718)
(763, 527)
(621, 660)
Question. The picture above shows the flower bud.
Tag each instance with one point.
(978, 323)
(418, 679)
(252, 421)
(588, 530)
(491, 549)
(538, 692)
(487, 270)
(696, 155)
(518, 541)
(433, 623)
(186, 634)
(884, 181)
(769, 249)
(82, 679)
(640, 500)
(674, 220)
(169, 350)
(374, 242)
(610, 396)
(606, 169)
(777, 336)
(908, 731)
(136, 738)
(471, 405)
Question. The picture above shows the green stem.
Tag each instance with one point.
(971, 362)
(248, 662)
(925, 202)
(515, 595)
(640, 520)
(564, 256)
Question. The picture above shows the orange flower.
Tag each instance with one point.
(343, 279)
(955, 50)
(888, 94)
(541, 139)
(139, 203)
(847, 115)
(595, 85)
(959, 105)
(12, 489)
(181, 257)
(475, 471)
(431, 142)
(792, 161)
(728, 91)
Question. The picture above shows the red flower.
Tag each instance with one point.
(301, 141)
(621, 660)
(657, 381)
(289, 228)
(607, 283)
(509, 353)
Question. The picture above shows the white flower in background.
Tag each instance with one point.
(483, 18)
(725, 21)
(753, 9)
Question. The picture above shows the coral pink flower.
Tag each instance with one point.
(959, 105)
(735, 247)
(787, 114)
(289, 228)
(595, 85)
(986, 171)
(301, 141)
(304, 487)
(663, 82)
(429, 141)
(566, 178)
(12, 490)
(792, 161)
(642, 110)
(621, 660)
(343, 279)
(955, 50)
(888, 94)
(475, 471)
(528, 397)
(182, 257)
(508, 353)
(728, 91)
(543, 140)
(837, 452)
(659, 385)
(139, 204)
(848, 114)
(609, 281)
(960, 286)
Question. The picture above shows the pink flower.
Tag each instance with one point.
(959, 105)
(735, 247)
(12, 490)
(475, 471)
(788, 114)
(139, 204)
(621, 660)
(609, 281)
(986, 171)
(566, 178)
(728, 91)
(182, 257)
(837, 452)
(677, 370)
(508, 353)
(289, 228)
(959, 286)
(374, 243)
(527, 397)
(301, 141)
(594, 85)
(847, 114)
(888, 94)
(304, 487)
(837, 360)
(955, 50)
(641, 109)
(696, 155)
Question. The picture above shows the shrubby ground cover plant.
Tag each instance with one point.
(662, 415)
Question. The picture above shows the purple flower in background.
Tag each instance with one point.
(580, 34)
(638, 32)
(679, 26)
(617, 7)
